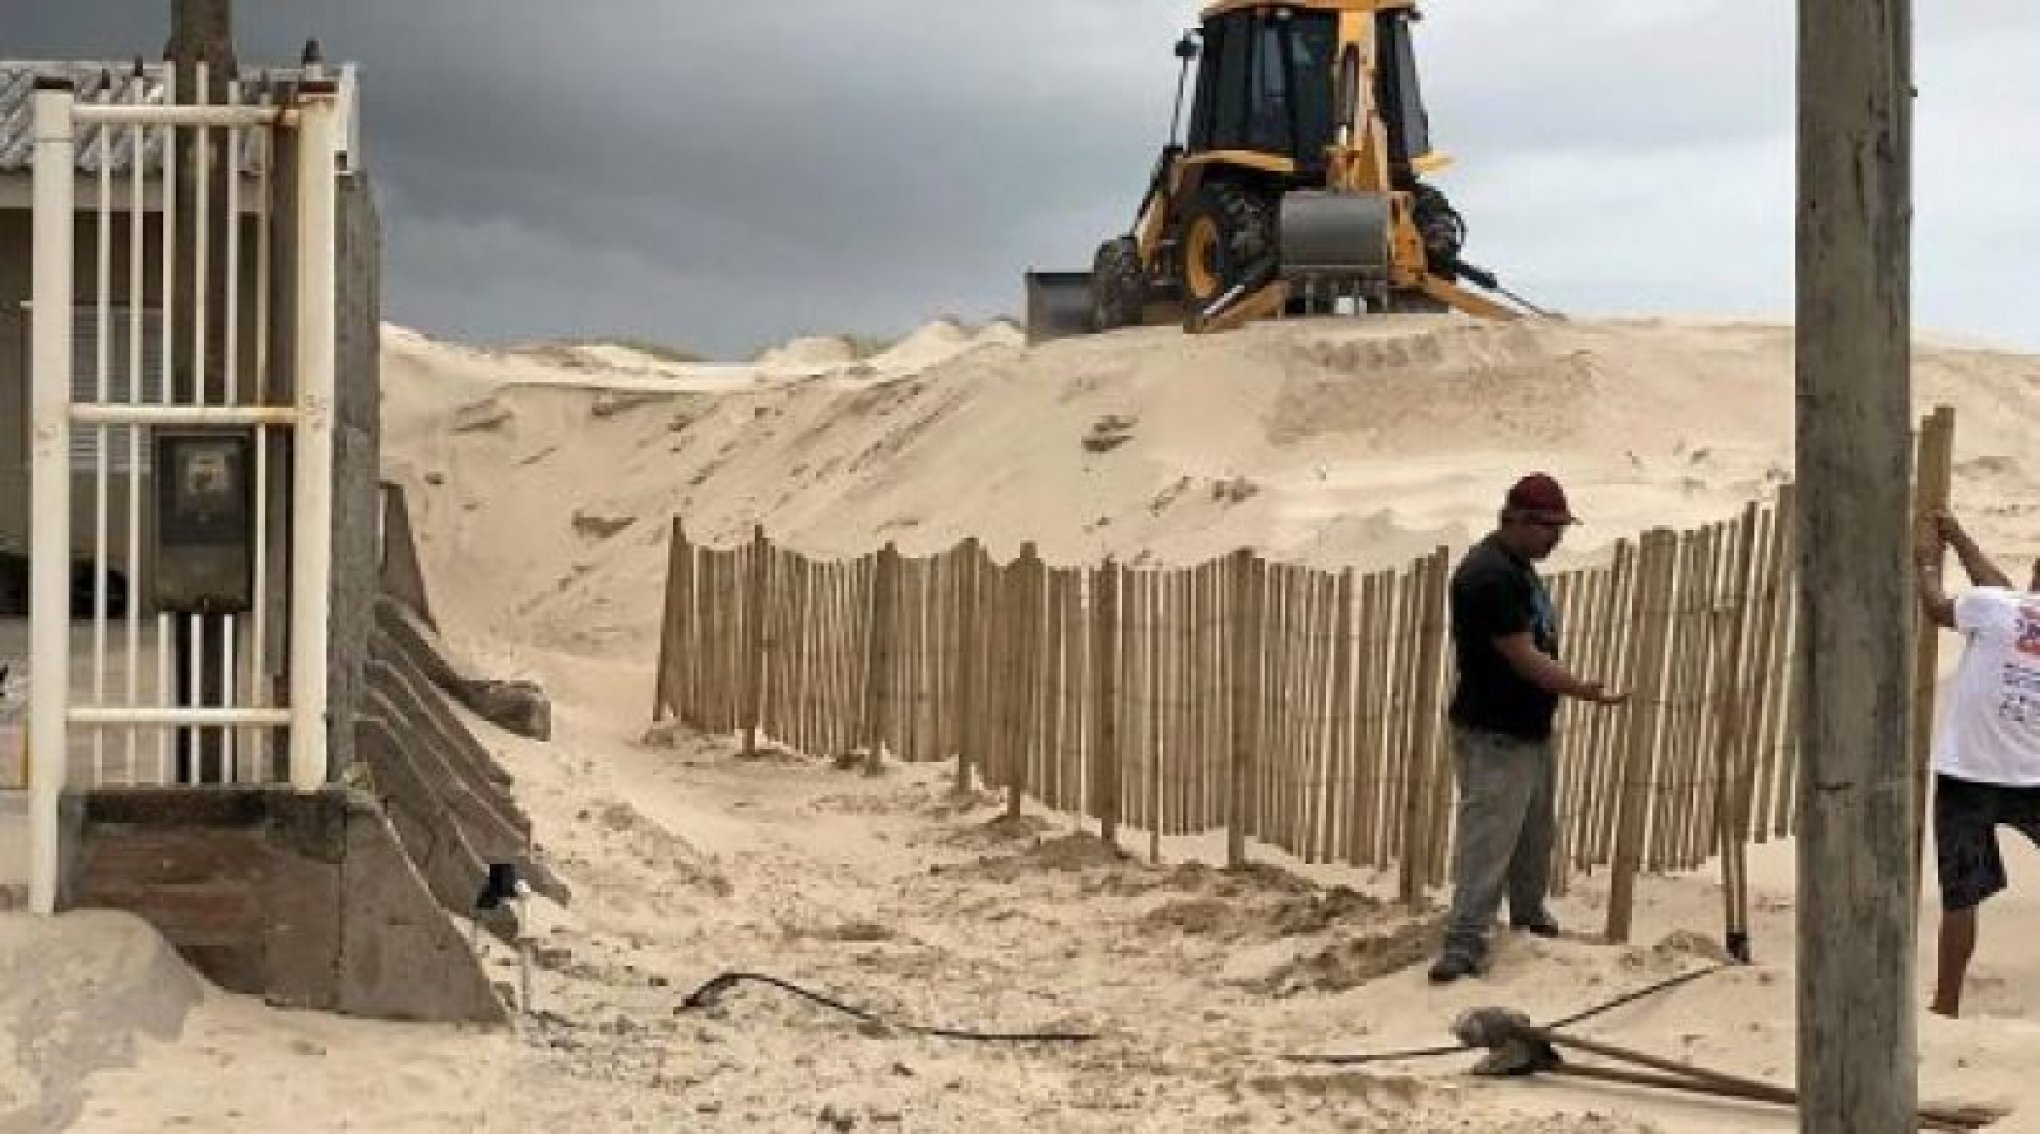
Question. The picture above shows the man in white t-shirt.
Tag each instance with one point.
(1987, 751)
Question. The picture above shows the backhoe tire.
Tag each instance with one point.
(1118, 285)
(1442, 230)
(1228, 238)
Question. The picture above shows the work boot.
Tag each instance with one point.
(1545, 926)
(1451, 965)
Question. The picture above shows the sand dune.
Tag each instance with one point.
(542, 494)
(1329, 442)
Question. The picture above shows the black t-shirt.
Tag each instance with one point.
(1495, 594)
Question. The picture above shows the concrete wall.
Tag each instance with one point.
(357, 463)
(306, 900)
(403, 577)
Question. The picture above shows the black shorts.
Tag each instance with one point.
(1966, 818)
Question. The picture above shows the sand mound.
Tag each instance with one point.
(1231, 882)
(930, 344)
(1354, 960)
(999, 831)
(80, 994)
(1242, 911)
(1079, 853)
(1341, 442)
(808, 352)
(1002, 332)
(634, 847)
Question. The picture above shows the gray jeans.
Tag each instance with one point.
(1506, 827)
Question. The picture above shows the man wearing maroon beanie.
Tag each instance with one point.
(1505, 638)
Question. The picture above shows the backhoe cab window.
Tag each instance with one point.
(1222, 83)
(1401, 96)
(1266, 84)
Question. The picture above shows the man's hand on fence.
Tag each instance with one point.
(1938, 529)
(1944, 524)
(1598, 693)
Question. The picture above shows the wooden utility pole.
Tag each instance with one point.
(202, 31)
(201, 35)
(201, 42)
(1857, 999)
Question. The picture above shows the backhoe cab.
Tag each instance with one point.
(1299, 184)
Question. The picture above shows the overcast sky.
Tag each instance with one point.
(724, 176)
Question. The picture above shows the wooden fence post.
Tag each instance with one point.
(1246, 660)
(1436, 741)
(1657, 561)
(754, 638)
(709, 607)
(1105, 698)
(885, 584)
(1779, 667)
(1340, 811)
(969, 641)
(1731, 843)
(667, 695)
(686, 659)
(1000, 671)
(1419, 805)
(1024, 607)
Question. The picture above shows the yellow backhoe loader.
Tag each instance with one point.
(1299, 188)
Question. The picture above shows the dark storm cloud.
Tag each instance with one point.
(724, 175)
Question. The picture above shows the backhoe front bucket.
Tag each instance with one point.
(1334, 238)
(1058, 305)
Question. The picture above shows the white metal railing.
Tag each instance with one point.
(232, 703)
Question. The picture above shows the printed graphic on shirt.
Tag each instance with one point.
(2027, 636)
(2019, 694)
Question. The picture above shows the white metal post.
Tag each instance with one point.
(312, 472)
(138, 145)
(102, 456)
(260, 691)
(49, 612)
(166, 767)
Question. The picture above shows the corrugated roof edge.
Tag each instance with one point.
(140, 82)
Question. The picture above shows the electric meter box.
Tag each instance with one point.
(205, 521)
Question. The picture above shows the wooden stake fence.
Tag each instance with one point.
(1299, 708)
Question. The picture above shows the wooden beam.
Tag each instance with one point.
(1933, 476)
